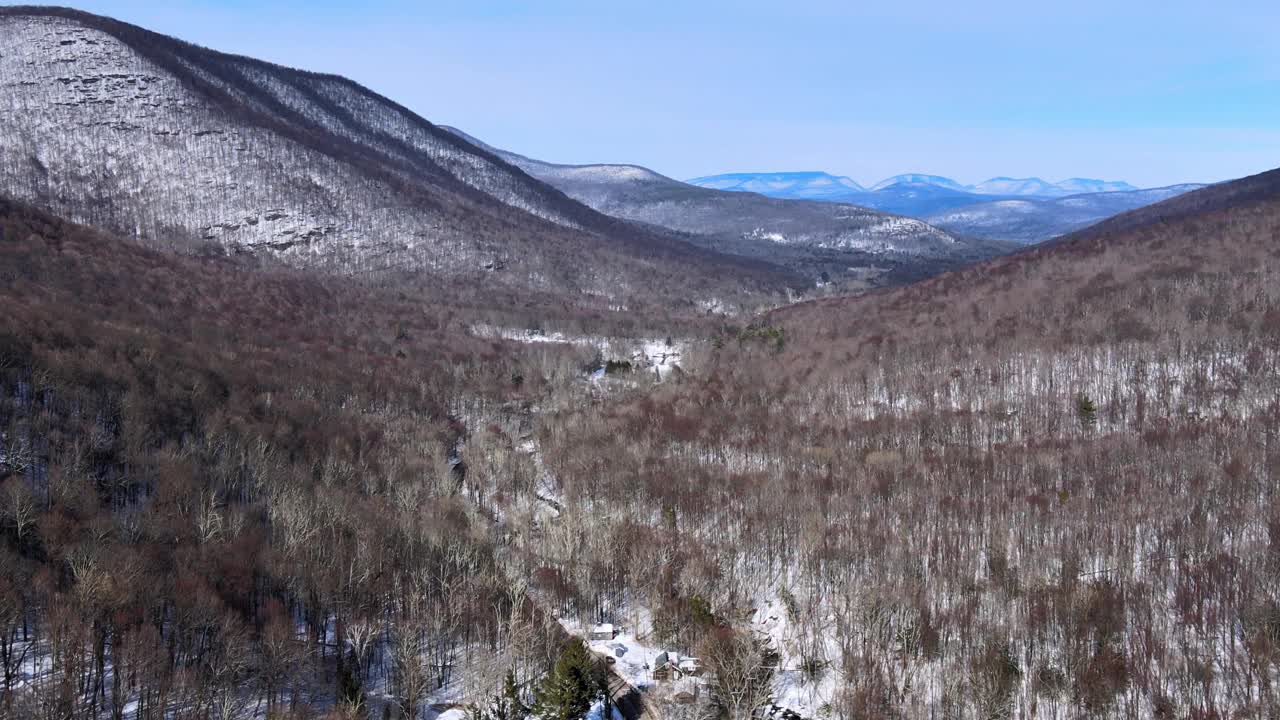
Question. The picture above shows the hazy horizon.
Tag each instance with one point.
(1153, 94)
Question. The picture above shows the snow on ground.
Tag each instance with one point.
(538, 336)
(634, 659)
(595, 713)
(633, 655)
(475, 674)
(475, 669)
(547, 488)
(792, 688)
(661, 356)
(600, 173)
(715, 306)
(762, 234)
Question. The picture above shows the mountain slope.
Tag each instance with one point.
(1080, 186)
(169, 423)
(1035, 187)
(788, 185)
(1065, 457)
(810, 236)
(1029, 220)
(1013, 186)
(1067, 289)
(112, 125)
(916, 199)
(1001, 209)
(843, 189)
(918, 179)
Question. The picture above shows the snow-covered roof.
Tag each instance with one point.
(667, 657)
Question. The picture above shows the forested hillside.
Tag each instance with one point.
(152, 138)
(325, 412)
(1039, 487)
(229, 491)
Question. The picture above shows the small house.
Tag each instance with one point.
(666, 665)
(690, 666)
(603, 631)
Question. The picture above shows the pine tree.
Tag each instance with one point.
(571, 687)
(603, 677)
(1087, 411)
(350, 690)
(516, 709)
(505, 706)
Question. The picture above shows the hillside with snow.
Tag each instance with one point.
(111, 125)
(811, 237)
(1039, 487)
(1022, 210)
(918, 179)
(1013, 186)
(1030, 220)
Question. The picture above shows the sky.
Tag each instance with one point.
(1154, 93)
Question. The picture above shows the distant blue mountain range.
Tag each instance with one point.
(813, 185)
(918, 179)
(1004, 208)
(790, 185)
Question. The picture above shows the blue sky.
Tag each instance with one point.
(1150, 92)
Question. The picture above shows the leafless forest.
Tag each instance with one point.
(1043, 487)
(1037, 488)
(199, 459)
(439, 442)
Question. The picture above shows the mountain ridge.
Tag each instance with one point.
(822, 239)
(309, 167)
(802, 185)
(1021, 210)
(917, 179)
(1172, 238)
(1002, 185)
(1036, 219)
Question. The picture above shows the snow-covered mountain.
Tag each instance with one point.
(1035, 187)
(808, 236)
(792, 185)
(112, 125)
(1014, 186)
(842, 189)
(918, 179)
(1020, 210)
(1079, 186)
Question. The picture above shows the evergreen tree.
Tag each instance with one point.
(603, 677)
(572, 685)
(350, 689)
(1087, 411)
(511, 693)
(505, 706)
